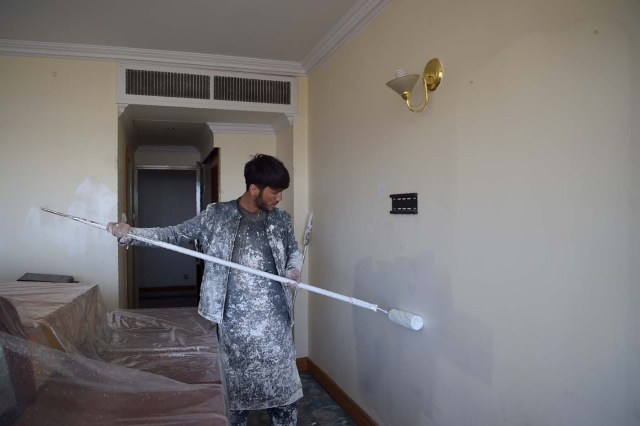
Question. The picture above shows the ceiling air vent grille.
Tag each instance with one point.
(167, 84)
(203, 88)
(251, 90)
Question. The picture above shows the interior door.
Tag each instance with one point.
(165, 197)
(211, 178)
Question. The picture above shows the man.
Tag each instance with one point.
(254, 314)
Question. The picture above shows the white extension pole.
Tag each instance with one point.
(258, 272)
(203, 256)
(396, 316)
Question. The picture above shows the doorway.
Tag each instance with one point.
(210, 193)
(165, 196)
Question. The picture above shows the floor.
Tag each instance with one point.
(168, 302)
(316, 407)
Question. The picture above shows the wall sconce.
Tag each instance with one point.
(403, 83)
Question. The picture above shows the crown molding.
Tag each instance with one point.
(362, 12)
(344, 30)
(148, 56)
(241, 128)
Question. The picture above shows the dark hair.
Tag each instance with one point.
(264, 170)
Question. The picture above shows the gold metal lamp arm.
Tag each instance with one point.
(416, 108)
(431, 78)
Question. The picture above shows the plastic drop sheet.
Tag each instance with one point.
(148, 330)
(174, 342)
(14, 320)
(44, 386)
(172, 373)
(71, 316)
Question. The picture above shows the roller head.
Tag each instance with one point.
(307, 231)
(406, 319)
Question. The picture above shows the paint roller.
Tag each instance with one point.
(396, 316)
(305, 243)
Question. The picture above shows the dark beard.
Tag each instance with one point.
(260, 202)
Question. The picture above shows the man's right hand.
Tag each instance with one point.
(119, 230)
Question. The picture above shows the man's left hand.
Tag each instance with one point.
(295, 276)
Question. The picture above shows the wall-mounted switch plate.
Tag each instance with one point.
(404, 203)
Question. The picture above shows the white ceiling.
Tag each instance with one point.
(289, 31)
(287, 37)
(274, 29)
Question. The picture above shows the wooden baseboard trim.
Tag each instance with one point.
(302, 363)
(357, 414)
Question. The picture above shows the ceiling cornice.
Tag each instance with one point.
(346, 28)
(148, 56)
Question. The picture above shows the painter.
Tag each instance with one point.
(254, 314)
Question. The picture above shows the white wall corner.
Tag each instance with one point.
(283, 122)
(344, 30)
(122, 108)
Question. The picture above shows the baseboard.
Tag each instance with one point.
(357, 414)
(302, 364)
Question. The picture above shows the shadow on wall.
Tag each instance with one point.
(398, 368)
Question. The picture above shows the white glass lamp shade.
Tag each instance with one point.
(403, 84)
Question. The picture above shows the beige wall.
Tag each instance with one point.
(235, 151)
(300, 185)
(284, 152)
(523, 259)
(58, 149)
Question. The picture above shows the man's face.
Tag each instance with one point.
(268, 198)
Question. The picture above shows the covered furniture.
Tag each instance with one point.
(65, 360)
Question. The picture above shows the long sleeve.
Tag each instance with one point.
(184, 232)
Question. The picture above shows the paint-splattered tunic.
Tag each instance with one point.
(255, 333)
(217, 229)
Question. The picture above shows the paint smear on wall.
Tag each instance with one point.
(93, 200)
(407, 363)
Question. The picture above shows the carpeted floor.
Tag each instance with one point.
(316, 408)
